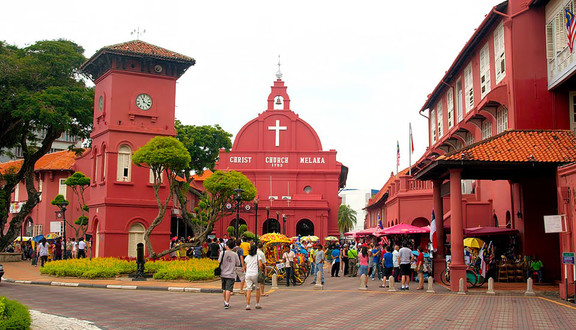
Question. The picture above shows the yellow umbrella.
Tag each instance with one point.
(473, 242)
(274, 237)
(311, 238)
(331, 238)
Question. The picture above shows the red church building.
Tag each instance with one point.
(297, 182)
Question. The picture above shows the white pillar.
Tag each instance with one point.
(430, 285)
(490, 286)
(529, 287)
(274, 281)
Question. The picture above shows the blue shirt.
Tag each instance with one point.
(388, 260)
(336, 255)
(375, 258)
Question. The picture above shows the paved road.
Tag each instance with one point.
(340, 305)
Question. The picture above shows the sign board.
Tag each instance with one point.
(55, 227)
(568, 258)
(554, 223)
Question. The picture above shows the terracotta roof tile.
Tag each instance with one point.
(143, 48)
(61, 160)
(558, 146)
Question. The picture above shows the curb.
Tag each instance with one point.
(118, 287)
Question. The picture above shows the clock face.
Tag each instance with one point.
(158, 68)
(100, 103)
(143, 101)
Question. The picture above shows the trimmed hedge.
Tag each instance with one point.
(13, 315)
(187, 269)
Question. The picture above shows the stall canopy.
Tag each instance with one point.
(486, 231)
(404, 228)
(366, 232)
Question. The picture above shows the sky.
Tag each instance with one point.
(357, 71)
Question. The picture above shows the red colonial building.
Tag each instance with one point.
(297, 182)
(501, 121)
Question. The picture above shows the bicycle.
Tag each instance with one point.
(473, 279)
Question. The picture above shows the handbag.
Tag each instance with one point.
(218, 270)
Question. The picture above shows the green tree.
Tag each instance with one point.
(41, 96)
(346, 218)
(79, 183)
(204, 144)
(162, 155)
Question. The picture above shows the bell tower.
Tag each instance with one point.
(134, 101)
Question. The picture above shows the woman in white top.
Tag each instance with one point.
(43, 251)
(252, 264)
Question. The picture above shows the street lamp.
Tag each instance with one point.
(238, 198)
(284, 223)
(62, 213)
(256, 217)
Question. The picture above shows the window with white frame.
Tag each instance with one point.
(469, 138)
(486, 129)
(501, 119)
(37, 230)
(459, 101)
(499, 61)
(124, 163)
(432, 125)
(573, 111)
(484, 71)
(450, 107)
(62, 187)
(40, 186)
(152, 177)
(440, 119)
(17, 192)
(469, 88)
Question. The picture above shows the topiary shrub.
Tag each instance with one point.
(13, 315)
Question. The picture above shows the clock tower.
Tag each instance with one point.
(135, 89)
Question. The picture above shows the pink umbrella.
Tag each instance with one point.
(404, 228)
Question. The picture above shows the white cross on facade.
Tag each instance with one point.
(277, 128)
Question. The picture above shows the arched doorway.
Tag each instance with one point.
(135, 236)
(304, 227)
(271, 225)
(420, 222)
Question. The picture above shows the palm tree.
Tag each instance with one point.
(346, 218)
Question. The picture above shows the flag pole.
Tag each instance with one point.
(397, 157)
(410, 149)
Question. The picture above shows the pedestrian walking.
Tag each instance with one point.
(363, 259)
(376, 263)
(319, 259)
(405, 254)
(353, 262)
(228, 262)
(388, 265)
(335, 261)
(420, 268)
(81, 248)
(396, 261)
(345, 264)
(58, 249)
(262, 273)
(288, 257)
(43, 251)
(252, 265)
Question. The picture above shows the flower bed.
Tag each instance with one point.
(187, 269)
(13, 315)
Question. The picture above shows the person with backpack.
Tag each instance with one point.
(229, 261)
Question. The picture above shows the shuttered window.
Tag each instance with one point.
(432, 125)
(484, 71)
(450, 107)
(440, 119)
(501, 119)
(486, 129)
(469, 88)
(499, 61)
(459, 101)
(62, 187)
(124, 163)
(469, 139)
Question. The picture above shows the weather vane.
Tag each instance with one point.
(138, 33)
(279, 73)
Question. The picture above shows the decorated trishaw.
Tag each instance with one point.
(274, 246)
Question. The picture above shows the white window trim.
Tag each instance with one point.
(440, 119)
(468, 88)
(450, 106)
(124, 166)
(486, 129)
(469, 138)
(62, 187)
(499, 53)
(433, 125)
(502, 119)
(459, 101)
(484, 71)
(17, 192)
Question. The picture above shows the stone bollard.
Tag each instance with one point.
(391, 287)
(461, 286)
(363, 282)
(430, 285)
(274, 282)
(318, 285)
(490, 286)
(529, 287)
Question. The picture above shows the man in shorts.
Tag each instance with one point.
(229, 260)
(405, 255)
